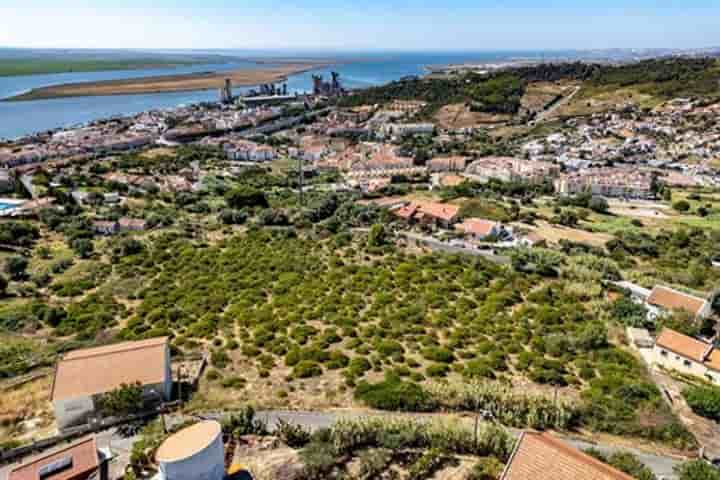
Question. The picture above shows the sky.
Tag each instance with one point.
(360, 24)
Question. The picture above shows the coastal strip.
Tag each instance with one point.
(168, 83)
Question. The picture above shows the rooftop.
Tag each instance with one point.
(688, 347)
(188, 441)
(539, 456)
(97, 370)
(84, 461)
(670, 299)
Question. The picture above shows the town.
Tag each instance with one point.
(250, 288)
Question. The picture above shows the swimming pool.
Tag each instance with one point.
(9, 205)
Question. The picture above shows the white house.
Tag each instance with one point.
(481, 229)
(83, 376)
(664, 299)
(688, 355)
(661, 300)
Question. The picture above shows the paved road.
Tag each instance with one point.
(437, 245)
(121, 446)
(660, 465)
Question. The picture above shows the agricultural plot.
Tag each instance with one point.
(297, 319)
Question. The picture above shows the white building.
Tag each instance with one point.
(687, 355)
(662, 300)
(194, 453)
(83, 376)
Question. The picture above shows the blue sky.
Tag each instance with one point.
(360, 25)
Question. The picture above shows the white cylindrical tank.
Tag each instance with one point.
(193, 453)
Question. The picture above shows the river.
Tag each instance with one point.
(361, 70)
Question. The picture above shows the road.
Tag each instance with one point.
(437, 245)
(546, 113)
(663, 467)
(121, 446)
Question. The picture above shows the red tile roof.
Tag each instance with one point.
(670, 299)
(478, 226)
(540, 456)
(82, 373)
(441, 211)
(84, 456)
(688, 347)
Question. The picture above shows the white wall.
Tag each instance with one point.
(208, 464)
(74, 411)
(672, 361)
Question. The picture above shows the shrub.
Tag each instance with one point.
(437, 370)
(697, 470)
(486, 469)
(704, 401)
(244, 423)
(294, 436)
(307, 369)
(438, 354)
(16, 268)
(394, 394)
(625, 462)
(598, 204)
(681, 206)
(430, 462)
(219, 358)
(237, 383)
(389, 348)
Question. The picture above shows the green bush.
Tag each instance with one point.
(438, 354)
(705, 401)
(697, 470)
(307, 369)
(394, 394)
(437, 370)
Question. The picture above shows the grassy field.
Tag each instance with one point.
(36, 66)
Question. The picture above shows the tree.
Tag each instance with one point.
(377, 236)
(124, 400)
(246, 197)
(625, 462)
(705, 401)
(566, 218)
(681, 206)
(16, 267)
(83, 247)
(697, 470)
(598, 204)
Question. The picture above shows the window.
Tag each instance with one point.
(687, 363)
(663, 353)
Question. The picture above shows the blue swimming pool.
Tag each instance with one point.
(7, 206)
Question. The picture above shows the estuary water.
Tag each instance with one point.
(359, 70)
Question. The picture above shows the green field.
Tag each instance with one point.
(35, 66)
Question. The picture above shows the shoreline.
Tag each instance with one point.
(208, 80)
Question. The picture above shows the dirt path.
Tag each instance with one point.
(542, 116)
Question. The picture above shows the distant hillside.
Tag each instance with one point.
(502, 92)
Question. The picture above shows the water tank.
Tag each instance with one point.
(193, 453)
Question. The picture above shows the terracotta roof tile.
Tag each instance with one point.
(683, 345)
(98, 370)
(670, 299)
(477, 226)
(713, 360)
(84, 456)
(542, 457)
